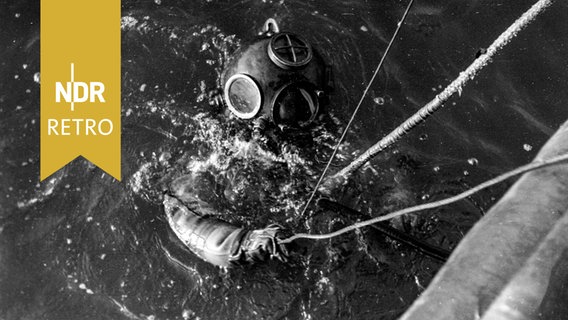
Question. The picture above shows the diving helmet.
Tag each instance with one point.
(278, 76)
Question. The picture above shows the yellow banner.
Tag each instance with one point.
(80, 84)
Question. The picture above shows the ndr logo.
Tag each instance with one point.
(77, 91)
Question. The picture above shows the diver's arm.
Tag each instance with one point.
(220, 242)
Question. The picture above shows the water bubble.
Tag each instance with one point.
(36, 77)
(527, 147)
(364, 29)
(379, 100)
(24, 66)
(466, 173)
(17, 15)
(158, 2)
(473, 161)
(164, 157)
(436, 169)
(127, 22)
(423, 137)
(187, 314)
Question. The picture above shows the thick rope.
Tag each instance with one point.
(400, 23)
(526, 168)
(456, 86)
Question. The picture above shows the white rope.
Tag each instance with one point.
(437, 102)
(526, 168)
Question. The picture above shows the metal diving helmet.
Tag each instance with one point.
(278, 76)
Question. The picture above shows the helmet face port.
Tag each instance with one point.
(294, 106)
(289, 51)
(243, 96)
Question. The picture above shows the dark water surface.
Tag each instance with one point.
(83, 246)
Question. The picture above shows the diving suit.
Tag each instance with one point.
(277, 80)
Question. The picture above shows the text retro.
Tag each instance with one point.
(74, 92)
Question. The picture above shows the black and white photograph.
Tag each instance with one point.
(288, 159)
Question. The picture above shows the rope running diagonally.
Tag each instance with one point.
(400, 23)
(437, 102)
(523, 169)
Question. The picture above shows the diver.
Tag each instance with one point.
(276, 81)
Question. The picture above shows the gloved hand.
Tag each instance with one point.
(264, 243)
